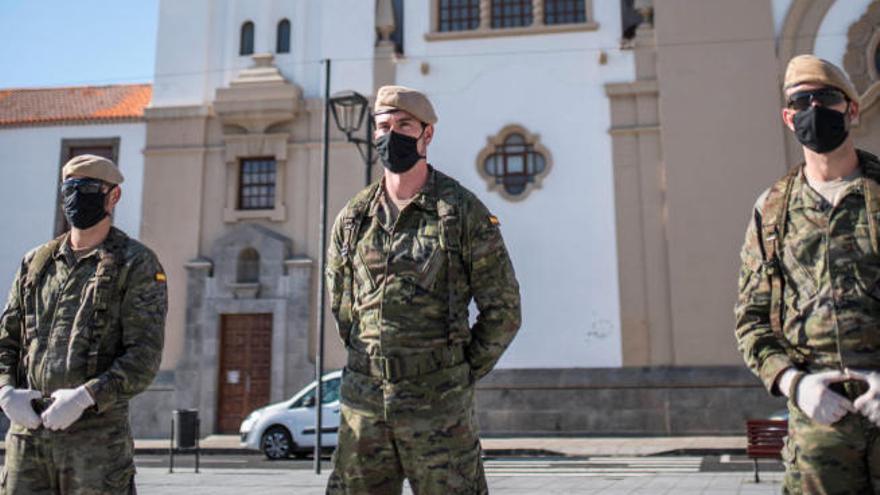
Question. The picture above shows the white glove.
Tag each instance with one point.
(17, 406)
(814, 397)
(67, 407)
(868, 403)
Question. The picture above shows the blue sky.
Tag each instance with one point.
(77, 42)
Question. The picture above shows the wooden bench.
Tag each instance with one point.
(766, 437)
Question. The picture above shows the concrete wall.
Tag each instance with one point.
(722, 145)
(639, 401)
(31, 161)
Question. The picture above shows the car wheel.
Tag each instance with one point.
(276, 443)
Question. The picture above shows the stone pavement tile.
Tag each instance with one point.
(157, 481)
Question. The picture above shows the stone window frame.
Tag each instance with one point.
(492, 144)
(67, 144)
(485, 29)
(238, 147)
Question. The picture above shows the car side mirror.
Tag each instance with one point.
(309, 402)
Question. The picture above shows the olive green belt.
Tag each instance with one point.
(394, 368)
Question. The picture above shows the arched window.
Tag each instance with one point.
(248, 269)
(247, 39)
(282, 40)
(513, 161)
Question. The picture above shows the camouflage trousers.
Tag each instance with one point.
(81, 462)
(840, 459)
(438, 455)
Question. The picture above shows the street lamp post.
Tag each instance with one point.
(349, 110)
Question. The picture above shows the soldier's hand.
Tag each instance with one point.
(868, 403)
(818, 401)
(17, 406)
(67, 407)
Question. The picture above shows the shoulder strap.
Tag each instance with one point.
(771, 231)
(38, 262)
(107, 276)
(449, 200)
(352, 220)
(34, 273)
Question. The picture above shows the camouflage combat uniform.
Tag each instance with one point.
(400, 292)
(99, 321)
(828, 314)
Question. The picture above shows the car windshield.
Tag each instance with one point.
(330, 392)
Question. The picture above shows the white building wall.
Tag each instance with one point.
(198, 45)
(31, 162)
(562, 237)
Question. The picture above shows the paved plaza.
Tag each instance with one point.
(538, 481)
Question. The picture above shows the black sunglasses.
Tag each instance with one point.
(84, 186)
(826, 97)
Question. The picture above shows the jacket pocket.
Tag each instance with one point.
(430, 269)
(798, 276)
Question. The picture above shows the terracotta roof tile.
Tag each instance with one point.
(122, 102)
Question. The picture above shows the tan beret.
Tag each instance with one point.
(94, 167)
(391, 98)
(812, 69)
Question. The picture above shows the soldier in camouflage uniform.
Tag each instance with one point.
(407, 256)
(808, 312)
(81, 334)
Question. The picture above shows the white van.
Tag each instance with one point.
(288, 428)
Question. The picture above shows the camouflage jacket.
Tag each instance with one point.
(404, 301)
(831, 284)
(86, 322)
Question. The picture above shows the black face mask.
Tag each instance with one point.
(83, 202)
(821, 129)
(398, 152)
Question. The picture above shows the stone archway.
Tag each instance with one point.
(861, 66)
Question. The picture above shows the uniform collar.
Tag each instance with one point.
(426, 198)
(804, 196)
(65, 251)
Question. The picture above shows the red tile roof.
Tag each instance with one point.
(83, 104)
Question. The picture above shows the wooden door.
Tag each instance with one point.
(245, 368)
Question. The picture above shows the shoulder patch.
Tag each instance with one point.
(160, 277)
(494, 220)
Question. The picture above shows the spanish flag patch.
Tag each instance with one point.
(494, 220)
(160, 277)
